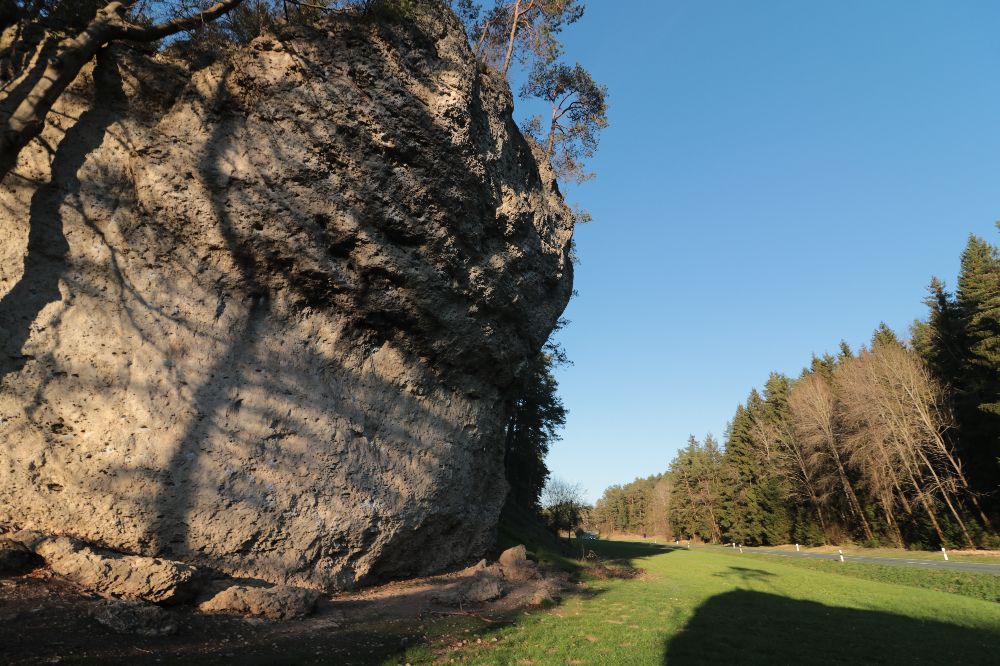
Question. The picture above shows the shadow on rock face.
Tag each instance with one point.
(274, 330)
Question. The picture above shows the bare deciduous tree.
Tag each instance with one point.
(812, 405)
(563, 504)
(899, 421)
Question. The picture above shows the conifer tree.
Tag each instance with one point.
(536, 416)
(977, 382)
(578, 113)
(978, 304)
(885, 336)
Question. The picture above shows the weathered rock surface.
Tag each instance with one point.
(113, 575)
(515, 565)
(136, 618)
(486, 585)
(262, 314)
(273, 603)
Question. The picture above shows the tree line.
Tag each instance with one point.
(897, 443)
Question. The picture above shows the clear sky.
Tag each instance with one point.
(777, 176)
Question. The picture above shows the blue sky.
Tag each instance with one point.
(777, 176)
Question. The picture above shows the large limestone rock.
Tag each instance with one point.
(262, 313)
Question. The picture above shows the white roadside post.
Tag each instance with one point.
(841, 554)
(741, 548)
(945, 553)
(689, 545)
(796, 548)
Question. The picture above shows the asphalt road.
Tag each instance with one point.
(870, 559)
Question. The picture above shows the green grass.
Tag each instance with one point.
(901, 553)
(700, 606)
(969, 584)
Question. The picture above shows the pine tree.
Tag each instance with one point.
(938, 341)
(977, 383)
(885, 336)
(979, 308)
(535, 419)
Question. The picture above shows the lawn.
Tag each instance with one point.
(981, 557)
(700, 606)
(969, 584)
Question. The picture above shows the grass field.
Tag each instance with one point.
(979, 557)
(969, 584)
(713, 607)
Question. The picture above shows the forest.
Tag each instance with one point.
(894, 444)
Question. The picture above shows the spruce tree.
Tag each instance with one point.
(536, 417)
(939, 340)
(884, 336)
(977, 384)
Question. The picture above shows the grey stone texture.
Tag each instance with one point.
(261, 312)
(113, 575)
(273, 603)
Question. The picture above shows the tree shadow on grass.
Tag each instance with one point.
(746, 575)
(744, 626)
(624, 551)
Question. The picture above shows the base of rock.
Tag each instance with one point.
(485, 586)
(16, 558)
(515, 564)
(271, 603)
(113, 575)
(135, 617)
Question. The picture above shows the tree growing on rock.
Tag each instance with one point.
(524, 30)
(42, 53)
(578, 112)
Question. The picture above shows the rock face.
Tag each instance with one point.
(262, 313)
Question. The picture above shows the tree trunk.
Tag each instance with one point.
(552, 133)
(852, 498)
(947, 500)
(516, 18)
(73, 53)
